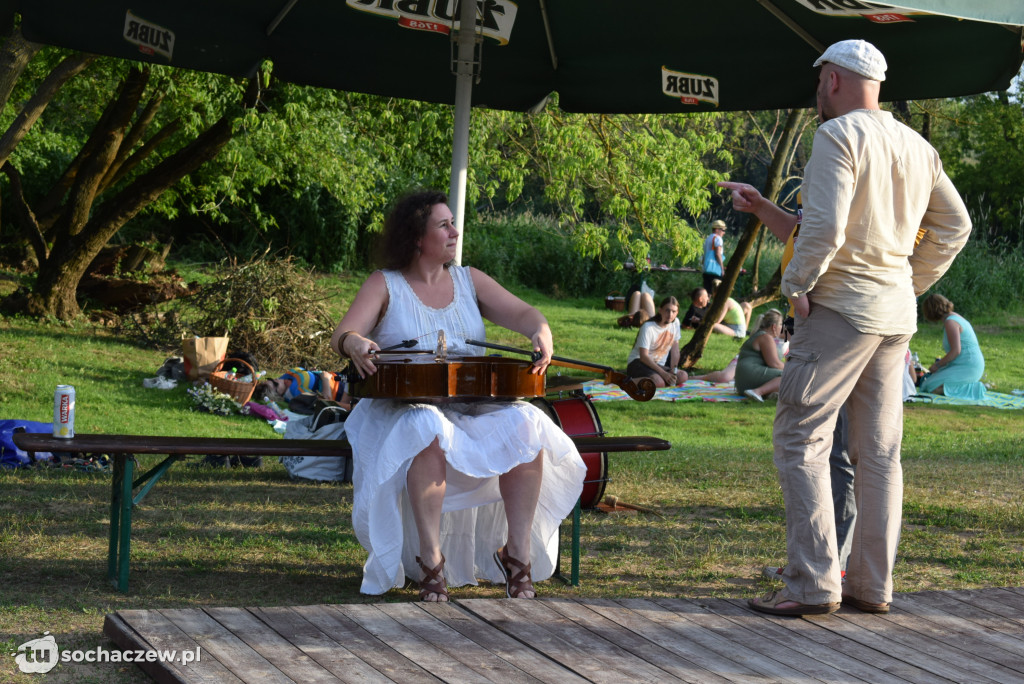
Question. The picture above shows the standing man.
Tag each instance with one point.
(785, 227)
(870, 184)
(714, 266)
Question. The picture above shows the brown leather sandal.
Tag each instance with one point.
(433, 582)
(515, 582)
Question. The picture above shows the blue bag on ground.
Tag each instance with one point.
(10, 455)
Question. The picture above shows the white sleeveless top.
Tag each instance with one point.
(408, 318)
(481, 440)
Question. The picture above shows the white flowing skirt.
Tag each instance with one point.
(481, 440)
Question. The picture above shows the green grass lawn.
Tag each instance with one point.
(208, 537)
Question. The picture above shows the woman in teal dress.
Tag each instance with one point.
(759, 369)
(958, 373)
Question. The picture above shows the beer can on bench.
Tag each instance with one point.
(64, 411)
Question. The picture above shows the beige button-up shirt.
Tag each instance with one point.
(870, 184)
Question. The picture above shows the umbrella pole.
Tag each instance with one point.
(463, 110)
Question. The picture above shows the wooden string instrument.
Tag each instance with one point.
(641, 389)
(424, 378)
(414, 375)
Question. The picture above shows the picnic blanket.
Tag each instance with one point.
(691, 390)
(699, 390)
(993, 399)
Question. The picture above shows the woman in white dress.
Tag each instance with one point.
(439, 486)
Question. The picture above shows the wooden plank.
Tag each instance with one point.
(1012, 595)
(148, 629)
(610, 652)
(1007, 604)
(308, 638)
(232, 652)
(914, 634)
(632, 614)
(775, 636)
(883, 636)
(958, 610)
(966, 635)
(456, 644)
(406, 642)
(160, 444)
(618, 631)
(335, 624)
(499, 643)
(258, 446)
(706, 630)
(812, 631)
(278, 651)
(792, 661)
(547, 639)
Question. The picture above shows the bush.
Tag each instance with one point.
(268, 307)
(985, 280)
(528, 250)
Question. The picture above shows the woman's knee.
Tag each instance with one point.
(431, 455)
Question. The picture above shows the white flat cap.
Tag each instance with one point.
(859, 56)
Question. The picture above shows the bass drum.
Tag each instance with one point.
(578, 418)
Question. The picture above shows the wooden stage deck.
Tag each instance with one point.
(951, 636)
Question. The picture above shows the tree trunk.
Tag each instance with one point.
(15, 54)
(54, 293)
(77, 246)
(755, 276)
(694, 349)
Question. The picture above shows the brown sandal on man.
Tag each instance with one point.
(864, 606)
(772, 604)
(517, 582)
(433, 582)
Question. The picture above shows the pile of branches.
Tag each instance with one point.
(268, 307)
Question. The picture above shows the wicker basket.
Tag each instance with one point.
(615, 301)
(221, 379)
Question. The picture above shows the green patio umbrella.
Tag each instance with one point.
(657, 56)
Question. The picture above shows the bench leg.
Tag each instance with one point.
(119, 551)
(574, 572)
(574, 550)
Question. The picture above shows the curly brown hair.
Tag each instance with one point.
(935, 307)
(404, 226)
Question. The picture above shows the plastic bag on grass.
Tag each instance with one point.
(328, 423)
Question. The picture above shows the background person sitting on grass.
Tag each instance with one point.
(759, 370)
(958, 373)
(735, 318)
(640, 309)
(655, 353)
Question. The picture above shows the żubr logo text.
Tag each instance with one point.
(39, 656)
(497, 16)
(874, 11)
(689, 88)
(149, 37)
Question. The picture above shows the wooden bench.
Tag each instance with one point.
(127, 491)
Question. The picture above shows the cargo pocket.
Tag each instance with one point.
(798, 381)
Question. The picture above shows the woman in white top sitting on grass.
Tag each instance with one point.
(655, 352)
